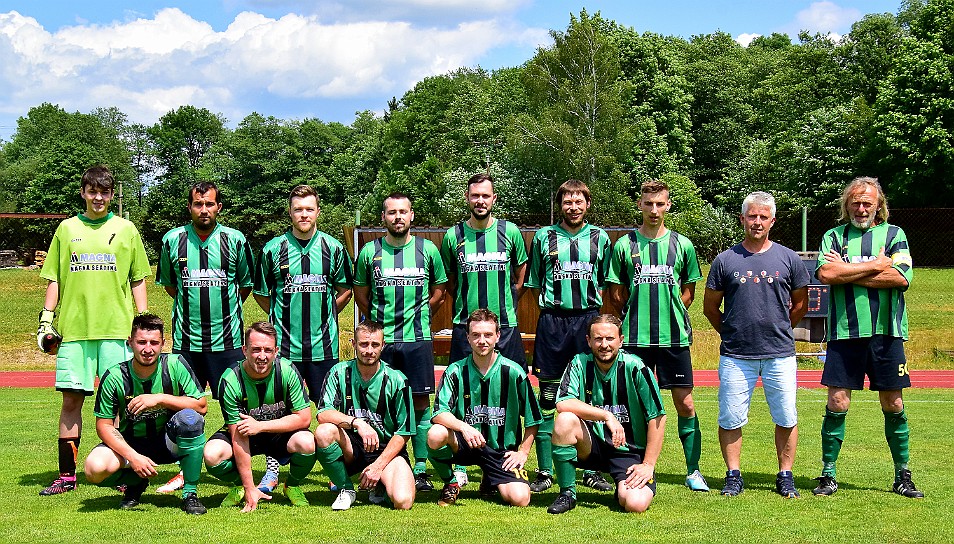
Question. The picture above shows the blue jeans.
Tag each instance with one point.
(737, 379)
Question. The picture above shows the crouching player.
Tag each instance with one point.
(366, 417)
(266, 412)
(160, 410)
(480, 402)
(610, 418)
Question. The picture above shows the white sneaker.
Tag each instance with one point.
(346, 498)
(696, 482)
(174, 484)
(461, 476)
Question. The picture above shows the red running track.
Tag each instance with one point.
(806, 378)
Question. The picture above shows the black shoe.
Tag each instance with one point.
(905, 487)
(191, 504)
(449, 494)
(486, 490)
(422, 482)
(785, 485)
(563, 503)
(543, 482)
(133, 494)
(733, 483)
(827, 486)
(596, 481)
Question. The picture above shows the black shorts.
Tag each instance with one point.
(880, 357)
(510, 345)
(673, 366)
(363, 458)
(415, 360)
(490, 462)
(271, 444)
(561, 336)
(210, 365)
(606, 458)
(158, 448)
(314, 373)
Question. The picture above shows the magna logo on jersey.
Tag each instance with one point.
(268, 412)
(306, 283)
(491, 261)
(373, 418)
(573, 270)
(618, 410)
(204, 277)
(400, 277)
(92, 262)
(654, 273)
(495, 416)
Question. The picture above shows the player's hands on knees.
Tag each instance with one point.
(143, 402)
(252, 496)
(143, 466)
(514, 460)
(473, 437)
(615, 427)
(369, 437)
(371, 475)
(249, 426)
(639, 475)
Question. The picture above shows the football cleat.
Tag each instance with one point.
(269, 482)
(133, 494)
(697, 482)
(827, 486)
(234, 497)
(563, 503)
(543, 481)
(346, 498)
(61, 484)
(596, 481)
(174, 484)
(449, 494)
(191, 505)
(422, 482)
(295, 495)
(905, 487)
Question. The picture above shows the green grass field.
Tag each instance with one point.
(863, 510)
(930, 307)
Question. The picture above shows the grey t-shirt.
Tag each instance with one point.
(757, 294)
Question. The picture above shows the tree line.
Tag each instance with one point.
(602, 103)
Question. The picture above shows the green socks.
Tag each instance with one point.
(563, 456)
(301, 464)
(123, 476)
(225, 471)
(832, 435)
(422, 418)
(440, 459)
(333, 465)
(691, 437)
(897, 433)
(191, 461)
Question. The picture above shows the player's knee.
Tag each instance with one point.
(326, 434)
(516, 494)
(302, 442)
(636, 501)
(891, 401)
(838, 400)
(564, 427)
(96, 467)
(215, 452)
(187, 423)
(437, 436)
(402, 498)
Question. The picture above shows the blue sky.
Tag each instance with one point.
(320, 58)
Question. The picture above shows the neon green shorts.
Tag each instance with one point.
(78, 363)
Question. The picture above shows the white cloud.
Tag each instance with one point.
(745, 39)
(826, 18)
(147, 66)
(439, 12)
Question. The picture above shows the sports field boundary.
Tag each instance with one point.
(808, 379)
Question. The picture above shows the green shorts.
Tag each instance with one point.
(78, 363)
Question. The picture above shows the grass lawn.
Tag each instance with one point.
(864, 510)
(930, 304)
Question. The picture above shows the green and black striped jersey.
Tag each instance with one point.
(207, 276)
(300, 282)
(275, 396)
(483, 263)
(855, 311)
(654, 271)
(384, 401)
(120, 384)
(628, 390)
(569, 270)
(400, 279)
(492, 403)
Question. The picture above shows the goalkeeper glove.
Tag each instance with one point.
(47, 339)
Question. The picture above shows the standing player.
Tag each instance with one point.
(160, 411)
(303, 281)
(265, 411)
(653, 279)
(96, 265)
(399, 282)
(611, 419)
(366, 418)
(206, 268)
(569, 263)
(868, 265)
(477, 417)
(765, 289)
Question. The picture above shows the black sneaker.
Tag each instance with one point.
(905, 487)
(733, 483)
(785, 485)
(596, 481)
(191, 505)
(826, 486)
(422, 482)
(486, 490)
(133, 494)
(543, 482)
(563, 503)
(449, 494)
